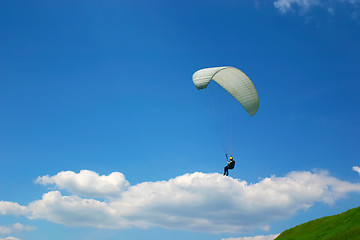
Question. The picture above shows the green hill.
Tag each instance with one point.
(344, 226)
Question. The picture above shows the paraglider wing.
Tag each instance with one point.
(232, 80)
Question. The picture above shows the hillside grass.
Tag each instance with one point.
(344, 226)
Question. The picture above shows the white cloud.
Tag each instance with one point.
(21, 227)
(268, 237)
(10, 238)
(11, 208)
(5, 230)
(101, 186)
(285, 6)
(74, 211)
(198, 201)
(356, 169)
(16, 227)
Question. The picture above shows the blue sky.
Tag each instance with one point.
(104, 136)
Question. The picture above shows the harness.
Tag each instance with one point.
(231, 164)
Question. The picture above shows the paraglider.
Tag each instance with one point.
(239, 91)
(230, 165)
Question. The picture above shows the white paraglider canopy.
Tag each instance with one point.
(232, 80)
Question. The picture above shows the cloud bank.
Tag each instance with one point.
(198, 201)
(79, 183)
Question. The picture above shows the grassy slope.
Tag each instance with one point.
(344, 226)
